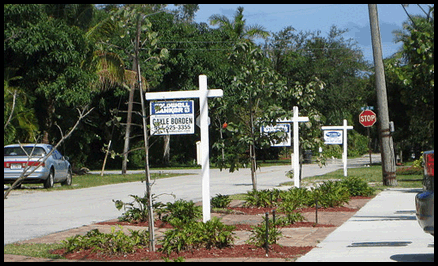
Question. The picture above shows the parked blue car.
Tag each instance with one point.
(25, 157)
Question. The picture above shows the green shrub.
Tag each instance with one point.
(258, 234)
(115, 242)
(220, 201)
(182, 210)
(132, 212)
(193, 235)
(262, 198)
(330, 194)
(297, 197)
(357, 186)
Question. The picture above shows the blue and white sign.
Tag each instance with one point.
(172, 118)
(332, 137)
(285, 127)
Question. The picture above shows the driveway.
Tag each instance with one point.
(31, 215)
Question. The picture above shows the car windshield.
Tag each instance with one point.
(18, 151)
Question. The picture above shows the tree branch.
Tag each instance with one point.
(40, 161)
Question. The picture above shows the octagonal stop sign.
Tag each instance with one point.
(367, 118)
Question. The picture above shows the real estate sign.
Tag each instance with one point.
(332, 137)
(285, 127)
(172, 117)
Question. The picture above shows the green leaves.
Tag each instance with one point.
(193, 235)
(116, 242)
(220, 201)
(181, 210)
(258, 234)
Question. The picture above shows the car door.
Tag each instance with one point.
(60, 169)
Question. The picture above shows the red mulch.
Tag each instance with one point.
(247, 227)
(238, 251)
(239, 227)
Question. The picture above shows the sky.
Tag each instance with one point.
(313, 17)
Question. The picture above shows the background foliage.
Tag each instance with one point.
(61, 56)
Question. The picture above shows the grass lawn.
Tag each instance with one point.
(33, 250)
(372, 174)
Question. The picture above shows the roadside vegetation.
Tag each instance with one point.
(331, 189)
(408, 176)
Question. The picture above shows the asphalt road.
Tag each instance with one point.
(35, 214)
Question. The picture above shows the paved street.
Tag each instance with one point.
(30, 215)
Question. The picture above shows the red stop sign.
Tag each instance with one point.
(367, 118)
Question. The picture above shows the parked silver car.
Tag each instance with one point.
(424, 202)
(56, 169)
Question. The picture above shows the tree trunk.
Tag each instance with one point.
(48, 120)
(128, 123)
(127, 132)
(166, 155)
(252, 155)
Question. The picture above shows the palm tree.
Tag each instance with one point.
(237, 28)
(20, 120)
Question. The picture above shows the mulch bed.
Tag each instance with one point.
(237, 251)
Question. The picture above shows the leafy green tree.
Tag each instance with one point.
(47, 53)
(307, 60)
(248, 103)
(414, 67)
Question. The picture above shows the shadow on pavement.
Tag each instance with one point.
(413, 257)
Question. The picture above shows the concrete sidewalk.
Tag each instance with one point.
(385, 229)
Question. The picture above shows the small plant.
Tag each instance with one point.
(330, 194)
(115, 242)
(288, 208)
(137, 211)
(182, 210)
(297, 197)
(220, 201)
(258, 234)
(193, 235)
(133, 213)
(262, 198)
(357, 186)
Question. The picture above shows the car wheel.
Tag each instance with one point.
(68, 179)
(50, 180)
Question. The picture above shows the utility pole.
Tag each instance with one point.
(388, 162)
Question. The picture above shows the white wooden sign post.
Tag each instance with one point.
(203, 95)
(296, 157)
(344, 128)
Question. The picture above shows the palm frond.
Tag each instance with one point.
(131, 80)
